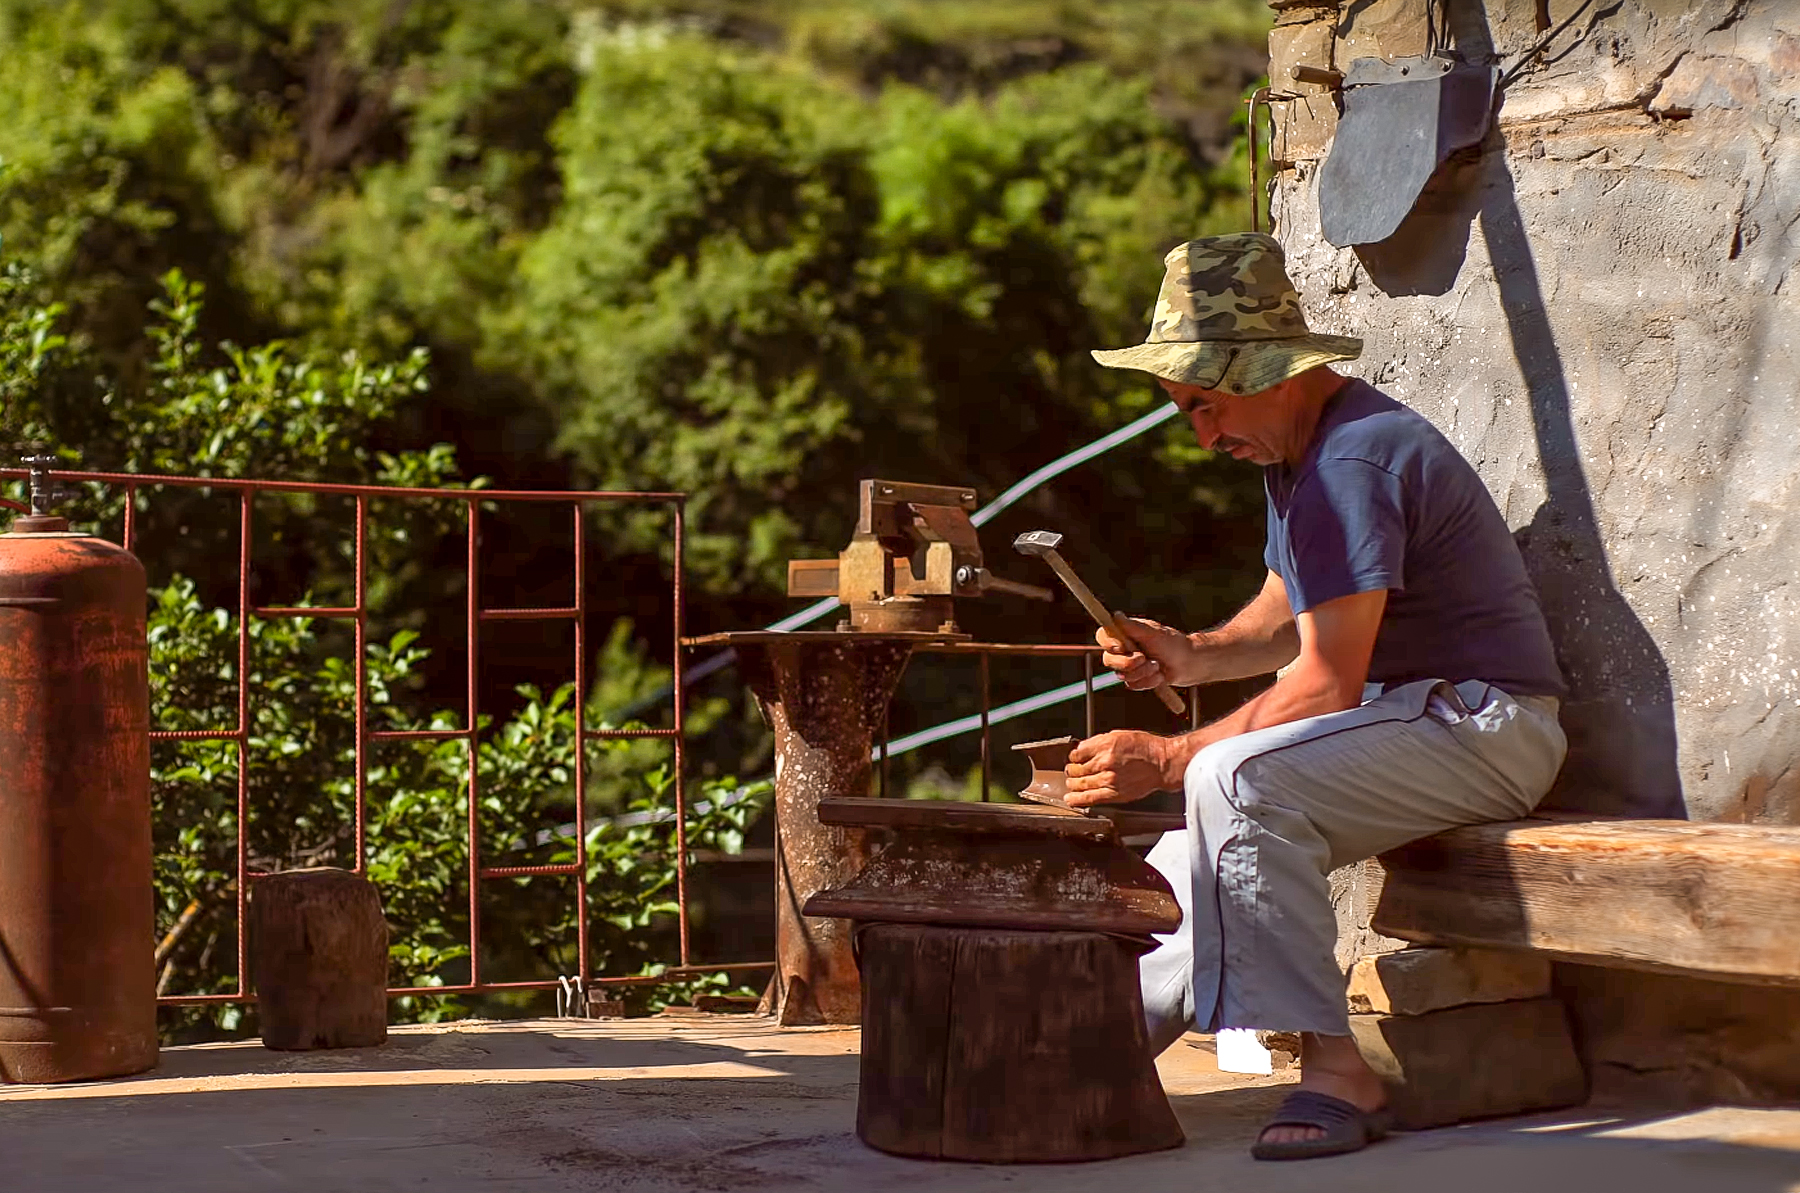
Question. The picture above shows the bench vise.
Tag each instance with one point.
(914, 551)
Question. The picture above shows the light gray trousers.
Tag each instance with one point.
(1271, 813)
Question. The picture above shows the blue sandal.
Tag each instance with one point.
(1347, 1128)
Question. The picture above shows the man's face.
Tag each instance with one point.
(1246, 428)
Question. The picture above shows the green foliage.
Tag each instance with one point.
(699, 307)
(30, 338)
(753, 249)
(273, 409)
(109, 169)
(270, 407)
(758, 287)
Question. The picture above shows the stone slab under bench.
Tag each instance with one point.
(1471, 1062)
(1418, 981)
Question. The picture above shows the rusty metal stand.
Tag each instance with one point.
(825, 694)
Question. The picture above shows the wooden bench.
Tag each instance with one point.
(1679, 965)
(1713, 901)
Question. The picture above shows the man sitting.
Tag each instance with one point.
(1420, 688)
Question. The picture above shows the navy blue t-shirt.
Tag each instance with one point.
(1382, 500)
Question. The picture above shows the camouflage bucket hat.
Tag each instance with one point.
(1228, 319)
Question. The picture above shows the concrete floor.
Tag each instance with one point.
(731, 1102)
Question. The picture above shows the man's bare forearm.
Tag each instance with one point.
(1337, 639)
(1258, 639)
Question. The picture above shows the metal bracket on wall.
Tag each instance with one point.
(1318, 75)
(1259, 96)
(1262, 97)
(1401, 118)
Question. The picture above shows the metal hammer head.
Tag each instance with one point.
(1037, 542)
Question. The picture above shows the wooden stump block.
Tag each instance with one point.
(318, 949)
(1006, 1046)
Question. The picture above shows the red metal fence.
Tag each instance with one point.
(357, 613)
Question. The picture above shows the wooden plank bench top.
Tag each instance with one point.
(1707, 900)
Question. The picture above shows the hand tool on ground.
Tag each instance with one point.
(1044, 543)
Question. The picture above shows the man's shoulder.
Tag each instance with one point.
(1374, 428)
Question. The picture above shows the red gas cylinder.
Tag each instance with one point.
(77, 919)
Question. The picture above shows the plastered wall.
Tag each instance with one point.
(1598, 307)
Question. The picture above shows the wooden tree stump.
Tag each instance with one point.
(318, 950)
(1006, 1046)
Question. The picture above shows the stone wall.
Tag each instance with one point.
(1596, 306)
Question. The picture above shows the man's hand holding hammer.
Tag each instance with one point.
(1156, 654)
(1128, 764)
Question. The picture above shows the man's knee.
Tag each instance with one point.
(1211, 783)
(1229, 784)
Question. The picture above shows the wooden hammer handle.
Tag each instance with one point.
(1169, 696)
(1106, 619)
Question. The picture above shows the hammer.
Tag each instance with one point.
(1045, 543)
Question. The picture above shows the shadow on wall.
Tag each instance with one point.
(1620, 714)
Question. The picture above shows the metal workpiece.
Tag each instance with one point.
(1049, 778)
(825, 695)
(77, 982)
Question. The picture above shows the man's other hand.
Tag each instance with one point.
(1155, 654)
(1115, 768)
